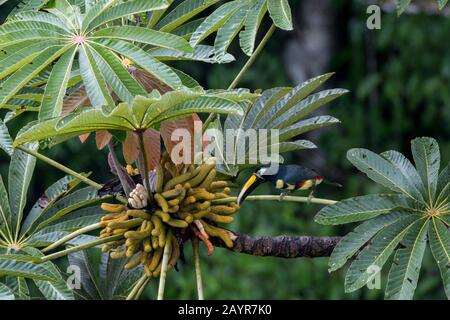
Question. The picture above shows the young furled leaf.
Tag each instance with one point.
(418, 213)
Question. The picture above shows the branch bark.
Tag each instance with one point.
(281, 246)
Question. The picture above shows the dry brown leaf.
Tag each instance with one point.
(77, 99)
(148, 81)
(192, 124)
(84, 137)
(152, 145)
(102, 137)
(130, 148)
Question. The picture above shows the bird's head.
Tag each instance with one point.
(255, 180)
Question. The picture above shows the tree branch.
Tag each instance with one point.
(281, 246)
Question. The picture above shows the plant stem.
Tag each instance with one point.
(80, 247)
(164, 264)
(72, 235)
(198, 271)
(60, 167)
(134, 292)
(276, 198)
(244, 69)
(141, 289)
(253, 57)
(143, 160)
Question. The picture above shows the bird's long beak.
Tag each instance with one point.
(248, 187)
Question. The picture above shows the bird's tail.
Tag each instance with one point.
(334, 184)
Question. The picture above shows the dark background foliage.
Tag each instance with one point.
(398, 77)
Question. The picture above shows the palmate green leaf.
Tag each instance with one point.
(355, 240)
(280, 12)
(146, 112)
(442, 3)
(214, 21)
(5, 211)
(16, 81)
(305, 107)
(46, 239)
(404, 273)
(201, 53)
(198, 105)
(229, 31)
(71, 202)
(361, 208)
(16, 26)
(97, 9)
(126, 9)
(93, 80)
(382, 171)
(40, 16)
(21, 55)
(406, 168)
(182, 13)
(51, 290)
(306, 126)
(5, 139)
(145, 60)
(247, 37)
(74, 220)
(427, 159)
(265, 113)
(439, 237)
(187, 30)
(295, 146)
(443, 185)
(18, 287)
(123, 84)
(56, 87)
(10, 266)
(376, 253)
(402, 5)
(5, 292)
(89, 276)
(21, 170)
(230, 19)
(146, 36)
(53, 193)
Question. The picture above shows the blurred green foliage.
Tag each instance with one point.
(404, 95)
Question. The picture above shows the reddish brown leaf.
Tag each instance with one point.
(152, 144)
(77, 99)
(148, 81)
(191, 123)
(102, 137)
(130, 148)
(84, 137)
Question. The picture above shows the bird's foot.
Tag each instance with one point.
(310, 197)
(282, 195)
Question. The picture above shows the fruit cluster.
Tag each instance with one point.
(182, 198)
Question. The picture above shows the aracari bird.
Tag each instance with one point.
(288, 178)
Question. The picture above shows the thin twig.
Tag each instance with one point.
(164, 265)
(244, 69)
(277, 198)
(60, 167)
(133, 293)
(198, 271)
